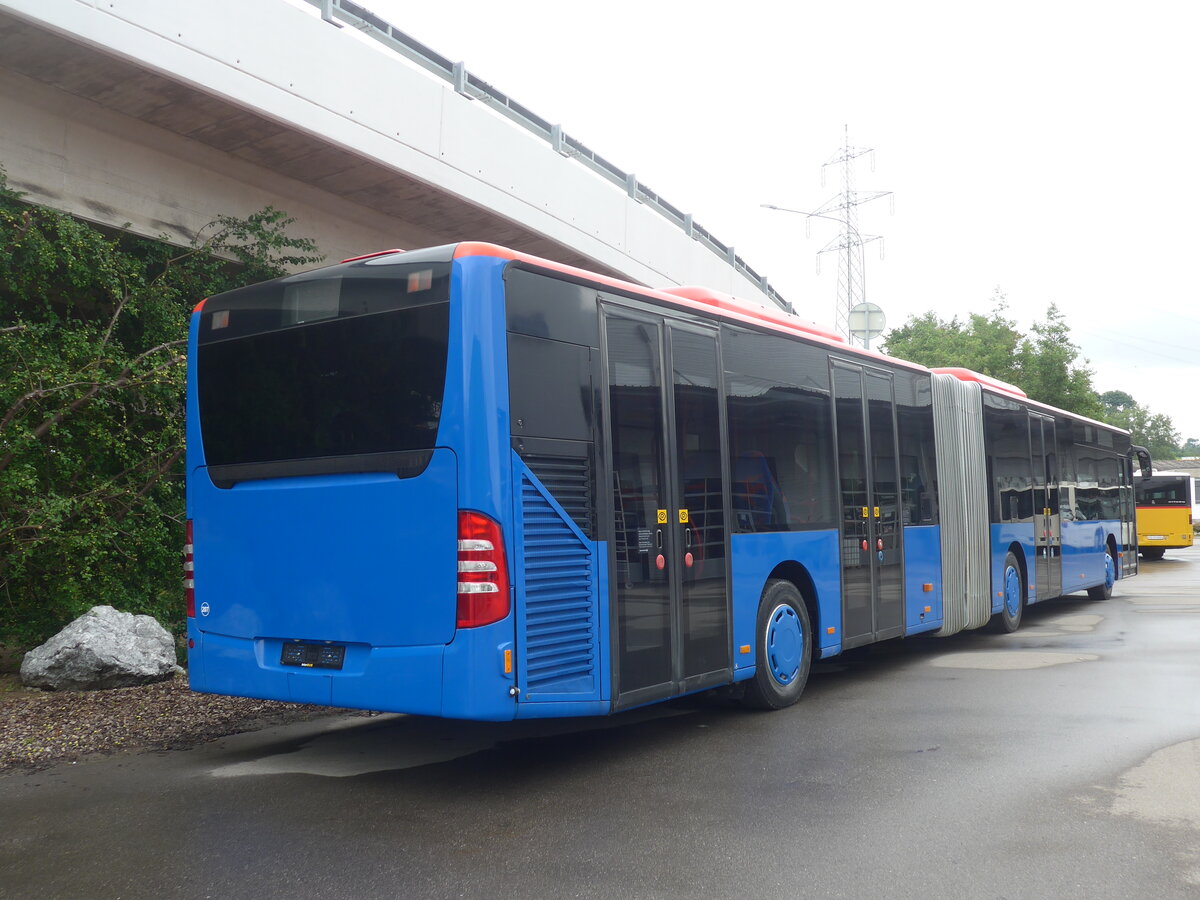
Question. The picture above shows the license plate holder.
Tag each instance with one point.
(312, 656)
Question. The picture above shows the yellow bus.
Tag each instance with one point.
(1164, 512)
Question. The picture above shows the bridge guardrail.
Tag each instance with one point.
(464, 82)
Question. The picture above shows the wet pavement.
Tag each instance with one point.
(1059, 761)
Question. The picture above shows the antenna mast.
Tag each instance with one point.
(852, 280)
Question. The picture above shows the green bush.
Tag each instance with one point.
(93, 329)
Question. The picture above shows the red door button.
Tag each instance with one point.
(688, 559)
(661, 562)
(864, 545)
(879, 544)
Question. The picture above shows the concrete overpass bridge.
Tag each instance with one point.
(158, 115)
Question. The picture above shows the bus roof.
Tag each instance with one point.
(986, 380)
(712, 302)
(737, 309)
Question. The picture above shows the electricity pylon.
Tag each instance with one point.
(852, 275)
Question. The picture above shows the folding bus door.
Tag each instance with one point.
(868, 477)
(1129, 548)
(669, 567)
(1043, 446)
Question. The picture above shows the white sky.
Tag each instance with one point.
(1045, 148)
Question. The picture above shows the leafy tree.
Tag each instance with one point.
(1045, 364)
(1155, 432)
(1190, 447)
(986, 344)
(1051, 370)
(1117, 403)
(92, 334)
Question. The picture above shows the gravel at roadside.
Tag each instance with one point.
(40, 728)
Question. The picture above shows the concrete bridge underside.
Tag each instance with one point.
(159, 116)
(119, 145)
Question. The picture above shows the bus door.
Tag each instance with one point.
(871, 536)
(1047, 528)
(669, 566)
(1129, 545)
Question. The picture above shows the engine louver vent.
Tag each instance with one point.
(560, 617)
(569, 481)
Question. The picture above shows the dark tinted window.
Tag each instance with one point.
(918, 469)
(550, 388)
(1067, 484)
(1109, 470)
(345, 362)
(781, 475)
(1087, 490)
(334, 292)
(1163, 491)
(1006, 437)
(342, 386)
(1099, 473)
(541, 306)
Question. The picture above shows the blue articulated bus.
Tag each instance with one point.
(468, 482)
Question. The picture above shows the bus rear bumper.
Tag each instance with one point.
(1167, 542)
(391, 679)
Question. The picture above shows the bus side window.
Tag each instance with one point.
(918, 470)
(758, 503)
(781, 465)
(550, 388)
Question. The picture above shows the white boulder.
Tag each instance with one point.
(101, 649)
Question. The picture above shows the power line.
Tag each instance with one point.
(852, 269)
(1153, 347)
(843, 209)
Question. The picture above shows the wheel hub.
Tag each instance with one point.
(1012, 592)
(785, 644)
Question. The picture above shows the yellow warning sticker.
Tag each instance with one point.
(662, 517)
(683, 516)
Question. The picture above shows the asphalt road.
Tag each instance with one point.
(1061, 761)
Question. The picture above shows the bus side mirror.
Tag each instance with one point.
(1143, 458)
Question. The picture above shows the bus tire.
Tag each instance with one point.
(1012, 609)
(1104, 591)
(1152, 553)
(785, 647)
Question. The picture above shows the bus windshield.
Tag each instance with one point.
(1164, 490)
(323, 374)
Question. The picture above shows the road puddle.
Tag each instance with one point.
(1165, 790)
(1063, 625)
(1005, 660)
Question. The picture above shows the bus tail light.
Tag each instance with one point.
(189, 571)
(482, 571)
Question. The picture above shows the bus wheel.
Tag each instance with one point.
(1008, 619)
(1104, 591)
(784, 637)
(1152, 553)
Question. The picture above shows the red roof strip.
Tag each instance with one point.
(372, 255)
(996, 384)
(730, 302)
(986, 380)
(734, 308)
